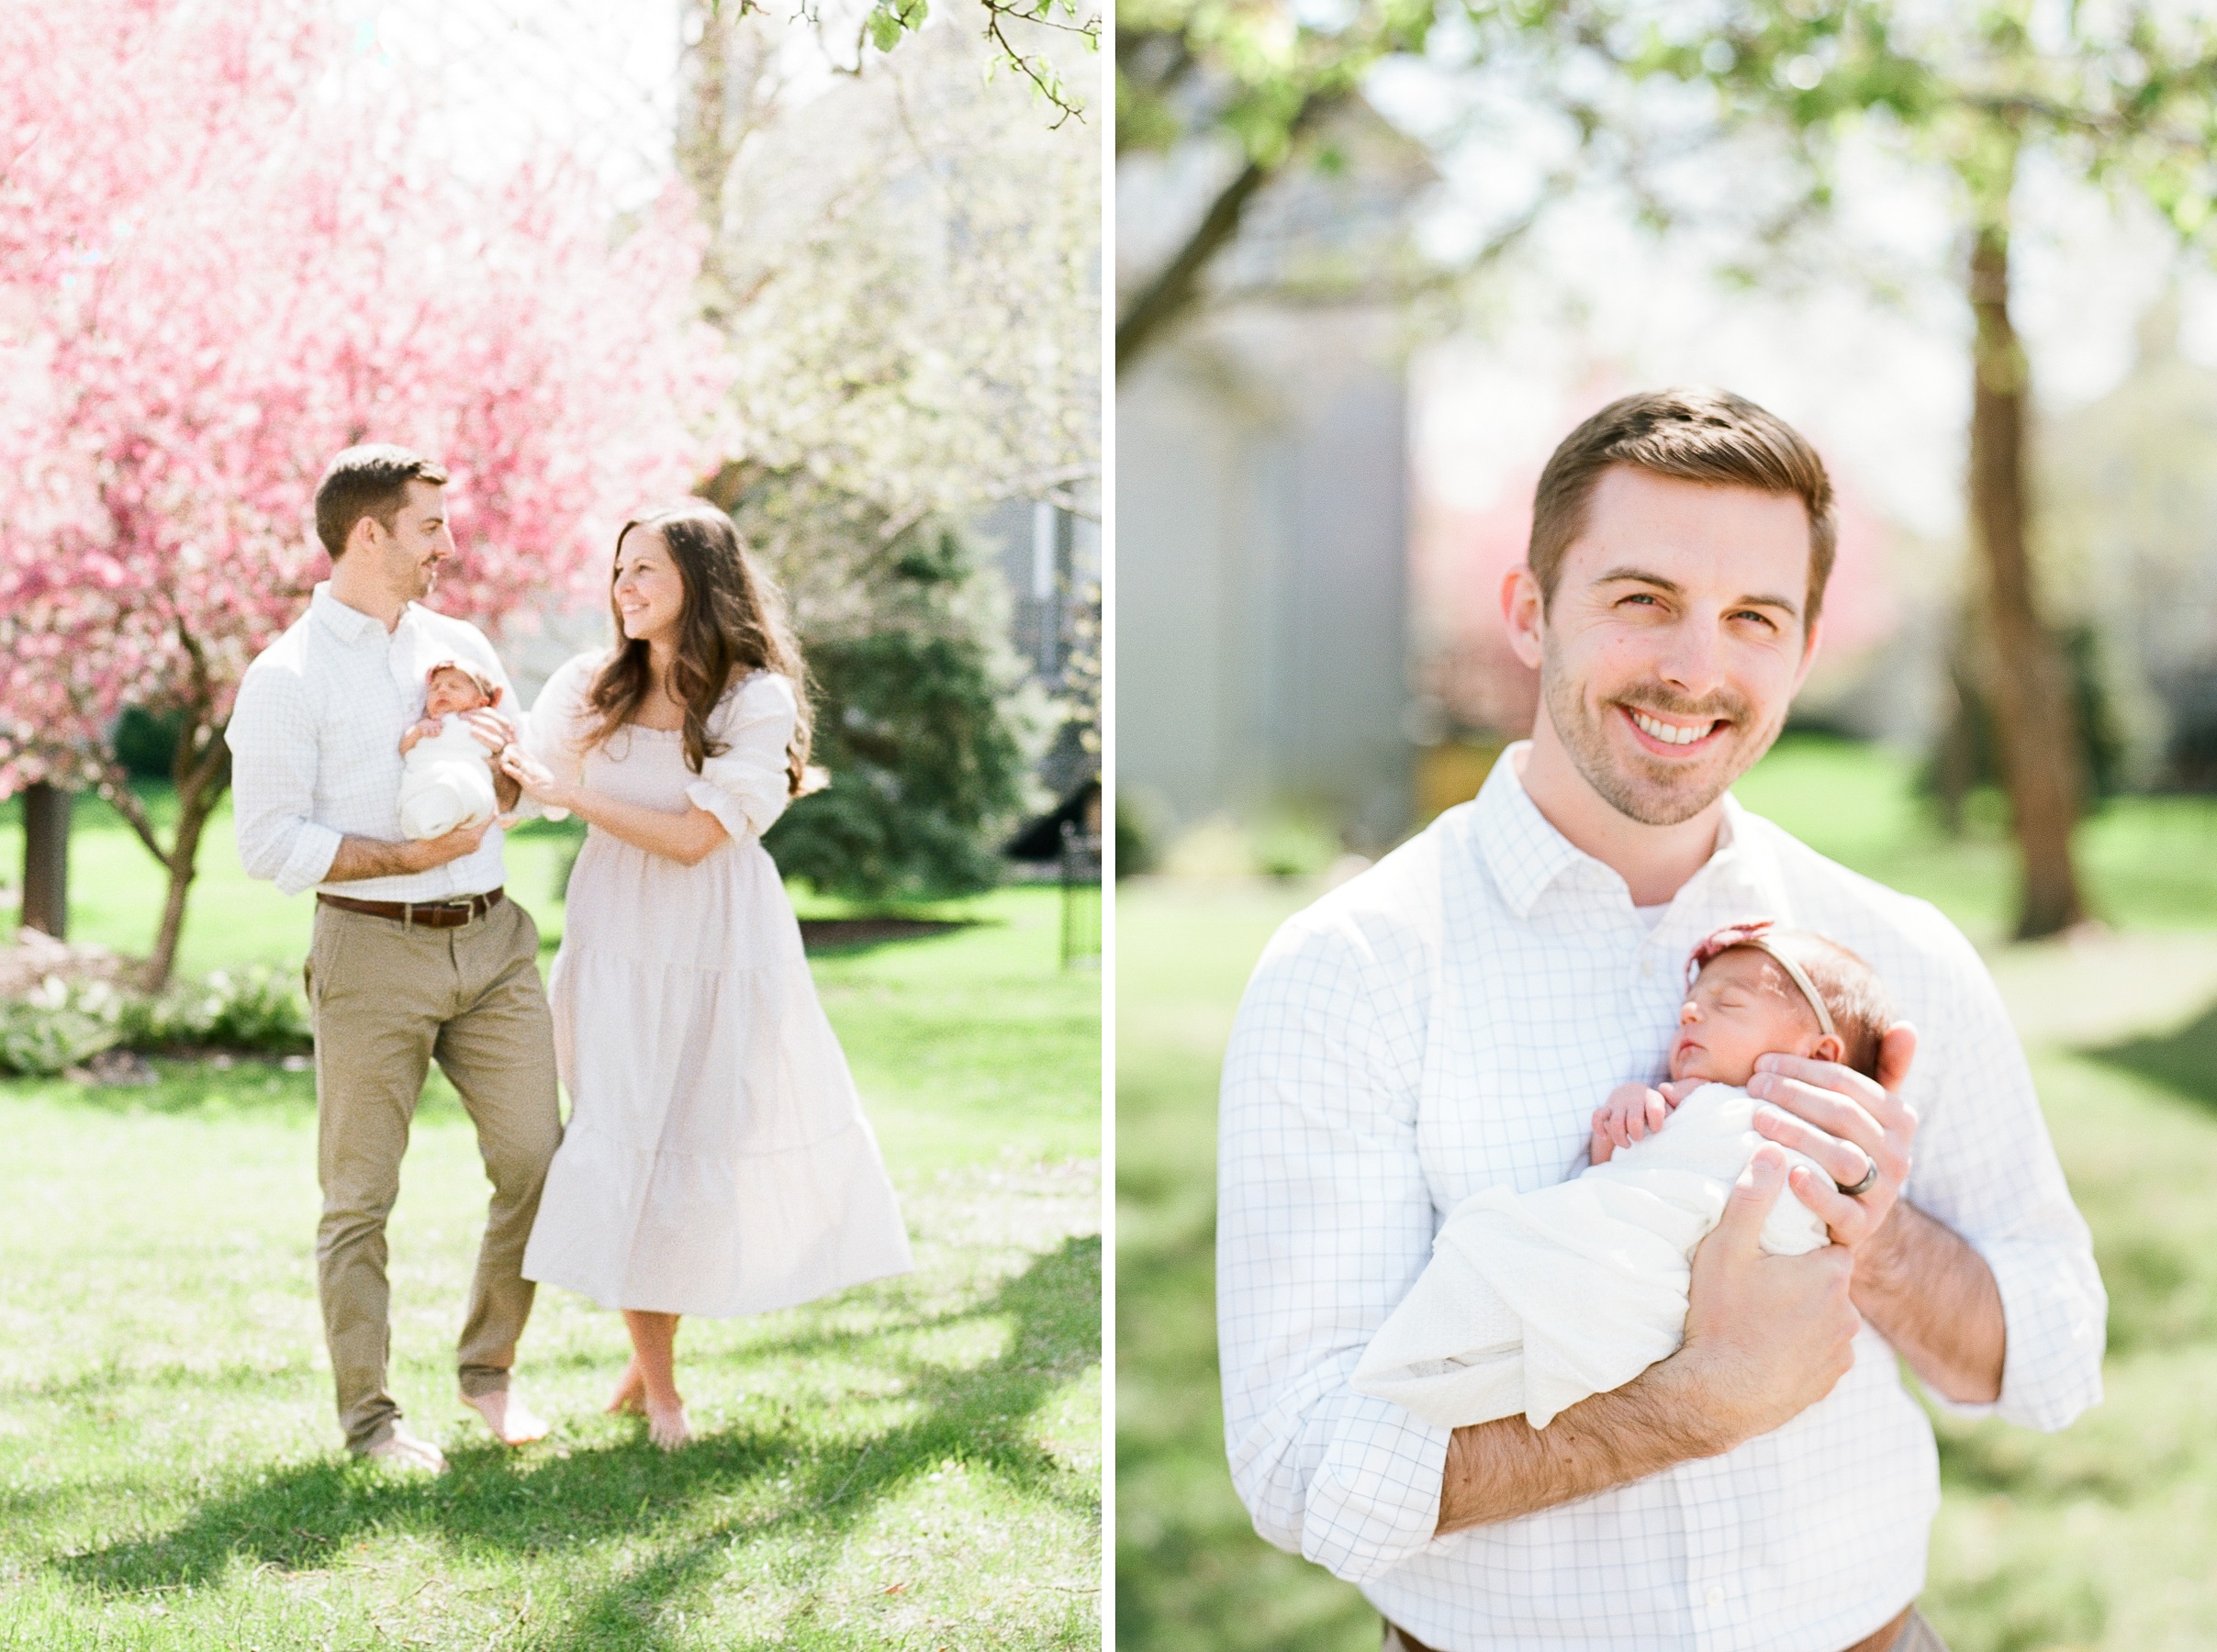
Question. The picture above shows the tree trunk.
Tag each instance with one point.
(2034, 726)
(46, 809)
(203, 773)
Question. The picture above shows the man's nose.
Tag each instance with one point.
(1691, 661)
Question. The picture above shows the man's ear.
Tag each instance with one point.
(365, 533)
(1523, 612)
(1813, 637)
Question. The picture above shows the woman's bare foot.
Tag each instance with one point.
(513, 1422)
(666, 1426)
(630, 1392)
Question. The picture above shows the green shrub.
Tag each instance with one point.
(922, 713)
(1138, 835)
(1291, 845)
(60, 1024)
(927, 773)
(256, 1009)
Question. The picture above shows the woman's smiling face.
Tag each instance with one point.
(649, 592)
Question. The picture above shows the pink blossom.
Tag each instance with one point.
(219, 265)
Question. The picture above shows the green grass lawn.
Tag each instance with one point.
(914, 1463)
(2097, 1538)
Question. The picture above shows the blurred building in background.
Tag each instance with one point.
(1048, 555)
(1262, 506)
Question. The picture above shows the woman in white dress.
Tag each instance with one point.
(716, 1159)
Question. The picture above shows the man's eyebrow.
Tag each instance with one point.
(1643, 576)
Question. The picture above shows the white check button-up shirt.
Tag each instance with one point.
(315, 744)
(1448, 1021)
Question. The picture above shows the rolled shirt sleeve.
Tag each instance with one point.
(1324, 1221)
(1982, 1162)
(746, 785)
(273, 740)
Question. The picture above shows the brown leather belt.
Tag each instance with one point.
(429, 914)
(1879, 1640)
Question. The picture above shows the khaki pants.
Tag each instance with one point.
(388, 1000)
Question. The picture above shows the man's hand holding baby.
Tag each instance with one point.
(1766, 1336)
(1917, 1280)
(1847, 1123)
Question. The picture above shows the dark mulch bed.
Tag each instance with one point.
(836, 934)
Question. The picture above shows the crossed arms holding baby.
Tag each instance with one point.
(1442, 1025)
(1807, 1021)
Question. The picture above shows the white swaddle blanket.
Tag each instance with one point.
(446, 781)
(1532, 1301)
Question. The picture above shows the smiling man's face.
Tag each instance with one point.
(1675, 639)
(408, 555)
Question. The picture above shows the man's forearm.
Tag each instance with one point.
(1934, 1296)
(372, 857)
(1503, 1469)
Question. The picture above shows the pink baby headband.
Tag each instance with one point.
(484, 679)
(1756, 933)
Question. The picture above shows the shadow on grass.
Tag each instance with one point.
(299, 1518)
(846, 937)
(2183, 1061)
(247, 1083)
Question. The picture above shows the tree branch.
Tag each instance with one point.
(114, 785)
(1178, 283)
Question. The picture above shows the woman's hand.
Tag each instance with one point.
(536, 781)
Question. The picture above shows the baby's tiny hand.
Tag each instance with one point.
(1675, 1090)
(428, 729)
(1633, 1113)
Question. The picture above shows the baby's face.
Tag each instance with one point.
(1742, 1004)
(451, 691)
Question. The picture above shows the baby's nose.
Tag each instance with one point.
(1689, 1011)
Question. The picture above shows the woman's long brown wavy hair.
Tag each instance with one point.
(734, 621)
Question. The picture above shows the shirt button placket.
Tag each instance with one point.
(1712, 1542)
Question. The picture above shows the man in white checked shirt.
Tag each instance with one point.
(1448, 1021)
(417, 956)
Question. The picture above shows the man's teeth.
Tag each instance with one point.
(1668, 734)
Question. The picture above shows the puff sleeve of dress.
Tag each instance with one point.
(560, 723)
(746, 786)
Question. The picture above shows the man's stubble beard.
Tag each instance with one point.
(1659, 801)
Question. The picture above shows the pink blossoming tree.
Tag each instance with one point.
(224, 255)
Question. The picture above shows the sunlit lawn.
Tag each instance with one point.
(2097, 1538)
(914, 1463)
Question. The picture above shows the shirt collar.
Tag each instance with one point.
(349, 624)
(1522, 849)
(1527, 855)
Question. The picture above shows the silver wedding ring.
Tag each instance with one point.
(1870, 1180)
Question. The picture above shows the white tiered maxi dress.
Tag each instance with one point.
(716, 1159)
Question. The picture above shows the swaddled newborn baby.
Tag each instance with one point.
(1533, 1301)
(447, 780)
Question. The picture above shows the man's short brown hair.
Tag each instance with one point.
(368, 481)
(1708, 436)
